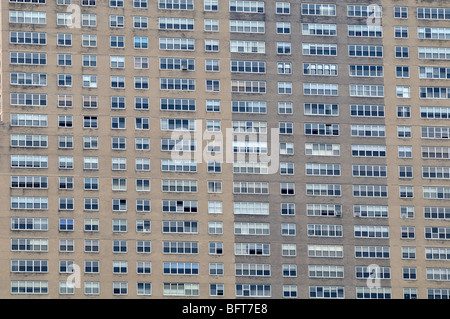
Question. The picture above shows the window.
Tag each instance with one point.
(367, 110)
(403, 111)
(365, 31)
(321, 129)
(118, 143)
(318, 9)
(90, 81)
(434, 92)
(323, 190)
(319, 29)
(237, 46)
(316, 169)
(284, 87)
(323, 89)
(140, 42)
(211, 45)
(433, 13)
(404, 151)
(247, 6)
(29, 120)
(180, 44)
(214, 186)
(212, 105)
(88, 20)
(401, 52)
(212, 85)
(89, 101)
(90, 142)
(405, 171)
(66, 203)
(319, 69)
(283, 48)
(28, 17)
(65, 162)
(248, 86)
(283, 27)
(400, 32)
(437, 53)
(120, 288)
(177, 64)
(404, 131)
(400, 12)
(407, 211)
(37, 79)
(140, 22)
(364, 11)
(177, 84)
(433, 33)
(370, 211)
(368, 150)
(403, 92)
(28, 58)
(368, 130)
(90, 122)
(211, 5)
(117, 62)
(89, 40)
(141, 103)
(365, 51)
(211, 25)
(65, 182)
(406, 191)
(321, 109)
(140, 4)
(323, 210)
(283, 67)
(117, 82)
(90, 163)
(116, 21)
(286, 148)
(316, 149)
(176, 4)
(91, 204)
(362, 231)
(366, 70)
(402, 71)
(65, 142)
(23, 99)
(283, 8)
(141, 82)
(370, 191)
(117, 41)
(434, 73)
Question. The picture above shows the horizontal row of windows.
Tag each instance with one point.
(193, 289)
(286, 168)
(256, 249)
(215, 207)
(241, 290)
(236, 46)
(210, 65)
(186, 247)
(143, 103)
(259, 7)
(288, 270)
(312, 149)
(186, 186)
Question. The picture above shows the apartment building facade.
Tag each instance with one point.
(225, 149)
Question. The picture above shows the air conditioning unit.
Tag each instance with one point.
(338, 214)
